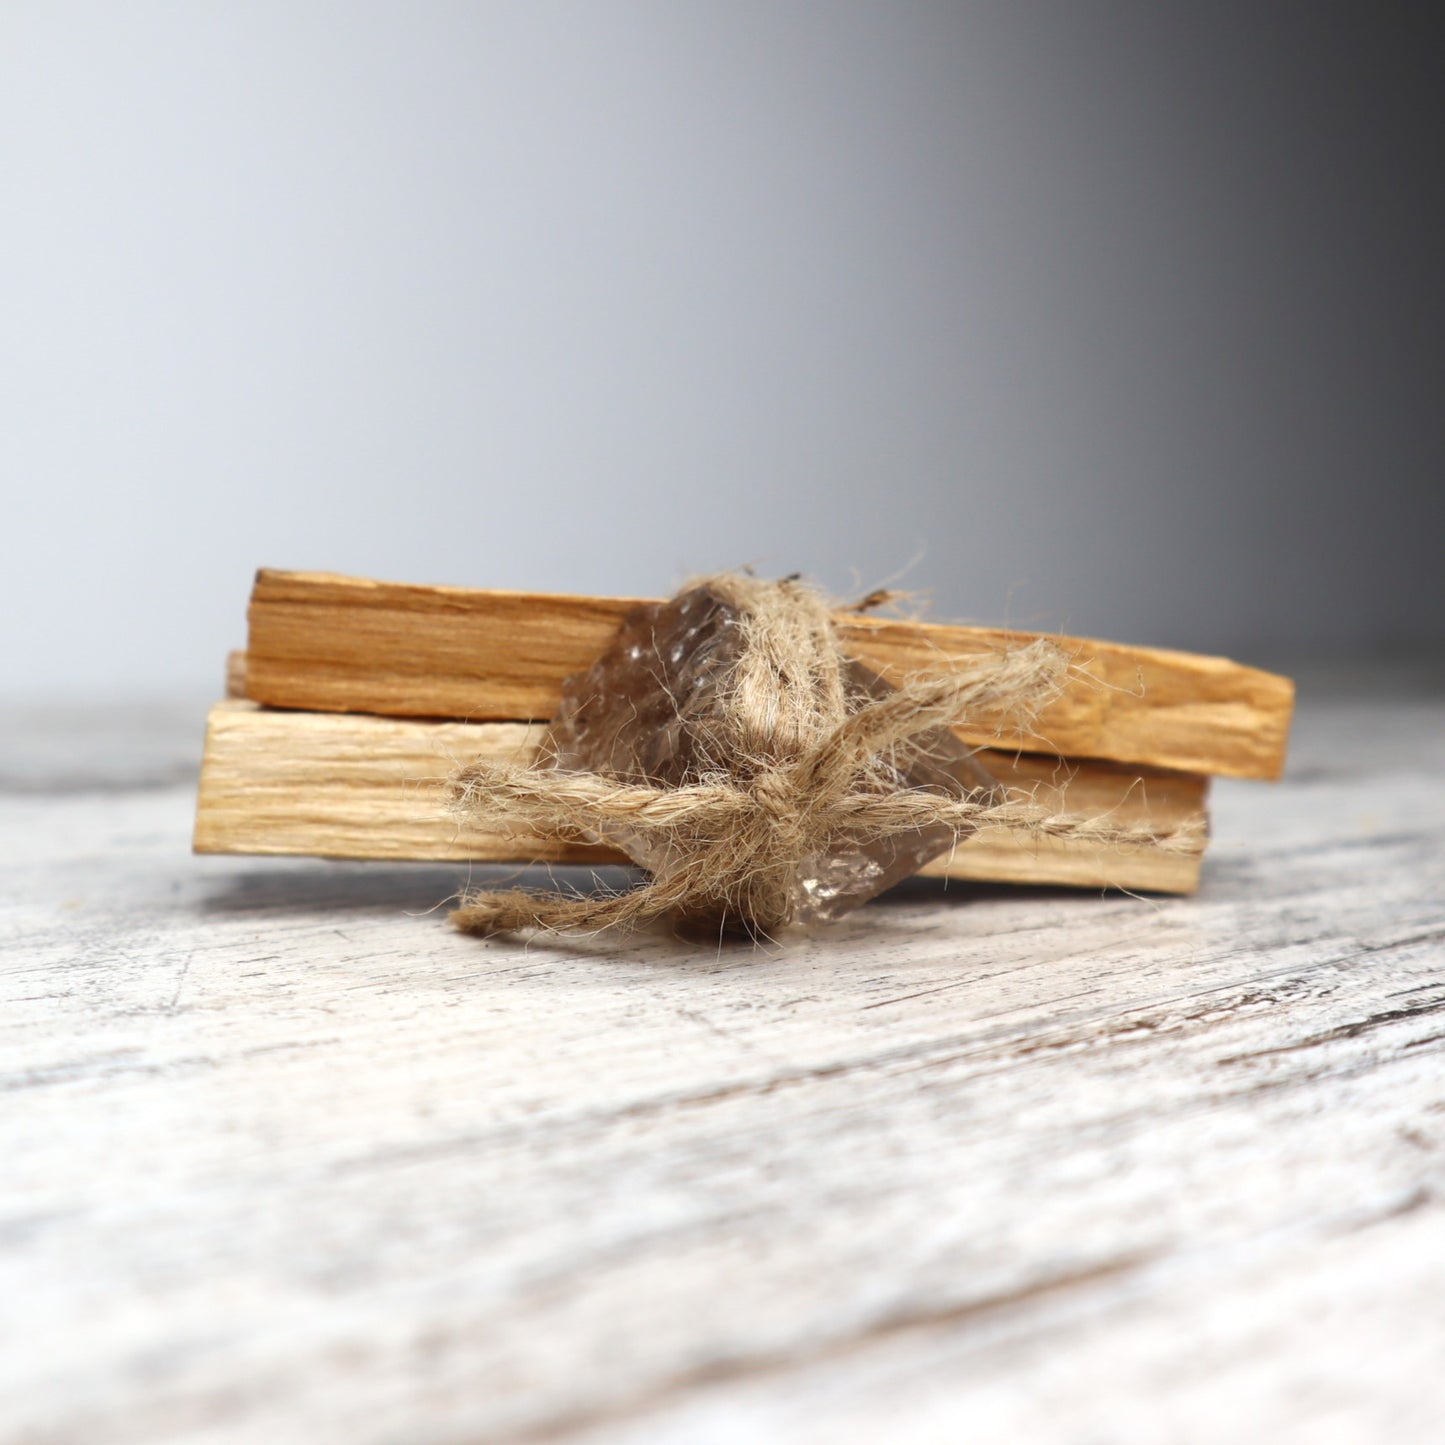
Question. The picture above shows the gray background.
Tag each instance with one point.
(1125, 319)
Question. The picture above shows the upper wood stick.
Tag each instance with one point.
(344, 644)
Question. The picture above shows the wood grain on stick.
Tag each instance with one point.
(341, 786)
(341, 644)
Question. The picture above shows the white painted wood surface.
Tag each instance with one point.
(285, 1159)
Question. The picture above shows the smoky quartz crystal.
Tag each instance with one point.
(651, 710)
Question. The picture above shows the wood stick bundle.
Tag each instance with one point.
(355, 700)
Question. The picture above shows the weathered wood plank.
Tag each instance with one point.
(339, 785)
(322, 642)
(286, 1159)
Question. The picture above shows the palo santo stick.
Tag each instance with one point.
(341, 786)
(342, 644)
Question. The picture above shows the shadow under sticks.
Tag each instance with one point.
(956, 892)
(315, 886)
(308, 887)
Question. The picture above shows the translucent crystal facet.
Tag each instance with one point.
(651, 710)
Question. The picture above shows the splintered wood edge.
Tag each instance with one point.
(338, 785)
(342, 644)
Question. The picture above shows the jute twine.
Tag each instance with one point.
(791, 762)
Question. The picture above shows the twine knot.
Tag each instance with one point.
(780, 800)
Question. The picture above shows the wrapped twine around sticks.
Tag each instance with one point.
(791, 760)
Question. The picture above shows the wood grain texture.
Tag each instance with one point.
(345, 644)
(287, 1160)
(336, 785)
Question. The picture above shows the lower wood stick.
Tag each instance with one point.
(339, 785)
